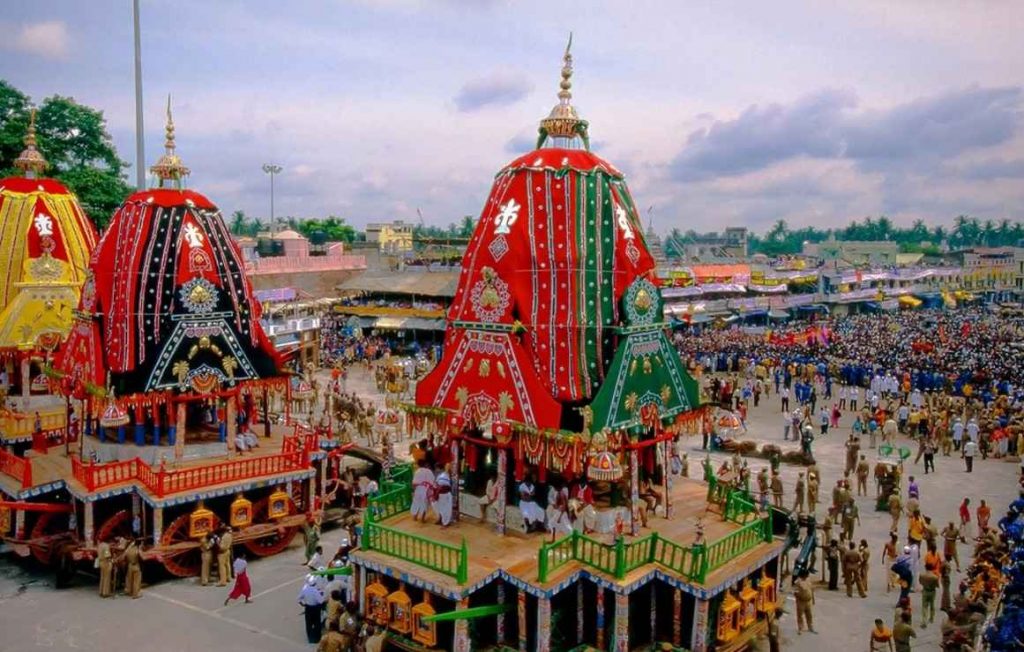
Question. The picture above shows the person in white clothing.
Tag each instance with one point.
(972, 430)
(443, 500)
(533, 514)
(422, 488)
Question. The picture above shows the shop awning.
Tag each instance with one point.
(908, 301)
(814, 307)
(779, 314)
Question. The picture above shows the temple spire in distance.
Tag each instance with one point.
(169, 166)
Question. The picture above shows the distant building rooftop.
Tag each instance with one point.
(418, 283)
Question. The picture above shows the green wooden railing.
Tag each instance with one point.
(444, 558)
(620, 558)
(389, 503)
(395, 494)
(401, 474)
(736, 543)
(739, 507)
(675, 557)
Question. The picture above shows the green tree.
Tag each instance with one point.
(14, 108)
(74, 140)
(238, 223)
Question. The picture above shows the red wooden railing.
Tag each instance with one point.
(162, 481)
(18, 468)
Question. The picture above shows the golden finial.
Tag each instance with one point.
(563, 121)
(169, 166)
(565, 94)
(31, 161)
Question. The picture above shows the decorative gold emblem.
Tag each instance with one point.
(484, 368)
(180, 369)
(666, 393)
(505, 403)
(631, 401)
(643, 300)
(200, 294)
(204, 344)
(229, 363)
(501, 369)
(45, 268)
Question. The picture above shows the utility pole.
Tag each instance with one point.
(271, 169)
(140, 145)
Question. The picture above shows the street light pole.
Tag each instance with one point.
(140, 154)
(272, 169)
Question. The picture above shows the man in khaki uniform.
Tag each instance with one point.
(803, 591)
(133, 577)
(777, 489)
(206, 552)
(929, 586)
(850, 515)
(862, 476)
(895, 511)
(333, 640)
(105, 562)
(224, 558)
(902, 633)
(762, 484)
(862, 570)
(812, 493)
(950, 535)
(799, 490)
(851, 568)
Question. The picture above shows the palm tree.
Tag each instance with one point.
(237, 226)
(988, 233)
(1003, 233)
(884, 226)
(778, 231)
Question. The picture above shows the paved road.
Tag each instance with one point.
(176, 615)
(843, 623)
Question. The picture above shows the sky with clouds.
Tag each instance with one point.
(816, 112)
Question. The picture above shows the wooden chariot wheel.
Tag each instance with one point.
(275, 540)
(45, 532)
(179, 552)
(118, 524)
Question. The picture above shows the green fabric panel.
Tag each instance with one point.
(644, 365)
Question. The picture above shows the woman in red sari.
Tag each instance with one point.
(242, 586)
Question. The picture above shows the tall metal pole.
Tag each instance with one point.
(140, 145)
(272, 169)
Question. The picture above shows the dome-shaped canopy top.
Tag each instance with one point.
(168, 304)
(46, 241)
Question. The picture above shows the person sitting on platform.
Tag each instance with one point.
(557, 512)
(490, 496)
(649, 495)
(581, 507)
(533, 514)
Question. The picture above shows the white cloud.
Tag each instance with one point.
(48, 39)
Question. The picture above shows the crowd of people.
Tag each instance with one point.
(966, 351)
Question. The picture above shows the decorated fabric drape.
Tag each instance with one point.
(645, 375)
(45, 244)
(168, 302)
(557, 243)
